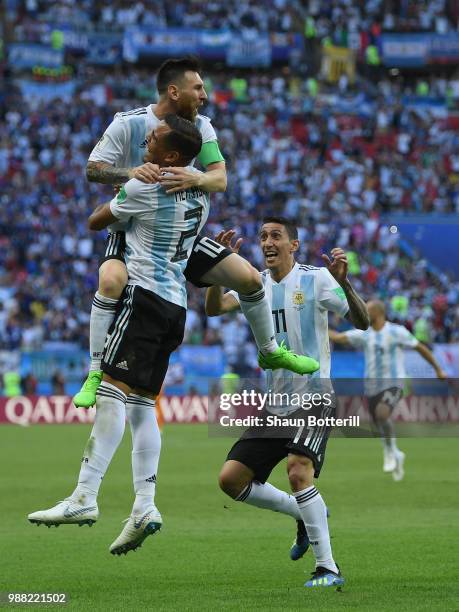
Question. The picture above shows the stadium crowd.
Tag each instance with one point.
(345, 21)
(289, 151)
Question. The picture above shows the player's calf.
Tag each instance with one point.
(250, 281)
(302, 469)
(383, 422)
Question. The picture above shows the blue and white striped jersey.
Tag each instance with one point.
(124, 141)
(160, 233)
(383, 352)
(300, 303)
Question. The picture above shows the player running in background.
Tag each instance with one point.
(118, 157)
(383, 345)
(300, 297)
(148, 326)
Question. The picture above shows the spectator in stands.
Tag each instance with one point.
(334, 157)
(29, 384)
(58, 383)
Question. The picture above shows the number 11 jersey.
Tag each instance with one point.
(300, 303)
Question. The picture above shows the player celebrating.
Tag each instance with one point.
(383, 345)
(301, 297)
(117, 158)
(148, 326)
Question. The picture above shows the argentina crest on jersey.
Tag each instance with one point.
(298, 299)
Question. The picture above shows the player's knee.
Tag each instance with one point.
(230, 483)
(112, 279)
(300, 472)
(111, 286)
(250, 280)
(227, 484)
(382, 412)
(297, 479)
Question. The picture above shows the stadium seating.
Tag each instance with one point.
(340, 159)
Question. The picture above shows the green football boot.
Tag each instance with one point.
(287, 360)
(86, 396)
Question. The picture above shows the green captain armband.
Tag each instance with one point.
(210, 154)
(340, 293)
(121, 195)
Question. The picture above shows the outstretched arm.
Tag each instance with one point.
(428, 356)
(358, 313)
(337, 266)
(337, 337)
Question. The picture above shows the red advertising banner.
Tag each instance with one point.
(43, 409)
(59, 409)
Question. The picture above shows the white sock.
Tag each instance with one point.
(314, 514)
(388, 436)
(146, 448)
(258, 313)
(268, 497)
(105, 438)
(102, 313)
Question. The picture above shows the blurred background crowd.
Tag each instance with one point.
(341, 18)
(340, 155)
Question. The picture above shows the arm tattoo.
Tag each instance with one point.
(101, 172)
(358, 313)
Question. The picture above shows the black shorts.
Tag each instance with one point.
(145, 331)
(205, 255)
(261, 452)
(390, 397)
(115, 247)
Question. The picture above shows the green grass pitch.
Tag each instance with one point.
(396, 542)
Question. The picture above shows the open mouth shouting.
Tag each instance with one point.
(270, 255)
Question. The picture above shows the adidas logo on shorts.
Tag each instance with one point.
(122, 365)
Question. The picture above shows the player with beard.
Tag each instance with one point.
(148, 326)
(118, 157)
